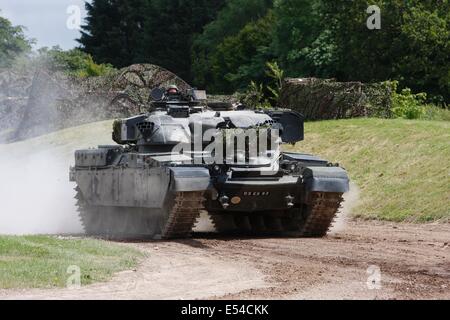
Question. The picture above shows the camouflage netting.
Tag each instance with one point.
(322, 99)
(36, 102)
(223, 102)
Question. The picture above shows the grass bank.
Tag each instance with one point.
(43, 261)
(401, 166)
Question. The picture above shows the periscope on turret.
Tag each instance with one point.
(187, 155)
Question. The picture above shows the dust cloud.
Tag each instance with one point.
(36, 196)
(351, 200)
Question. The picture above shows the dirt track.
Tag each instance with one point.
(414, 262)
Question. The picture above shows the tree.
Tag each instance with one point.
(170, 26)
(412, 45)
(242, 58)
(114, 30)
(222, 45)
(146, 31)
(363, 54)
(425, 62)
(331, 39)
(302, 41)
(234, 16)
(13, 43)
(73, 62)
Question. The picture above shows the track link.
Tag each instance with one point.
(320, 213)
(183, 214)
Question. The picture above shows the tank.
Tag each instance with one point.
(187, 155)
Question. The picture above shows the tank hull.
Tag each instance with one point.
(172, 195)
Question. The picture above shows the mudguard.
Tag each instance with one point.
(189, 179)
(326, 179)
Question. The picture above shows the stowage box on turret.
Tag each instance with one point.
(187, 155)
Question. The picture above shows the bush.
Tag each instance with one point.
(91, 69)
(259, 96)
(254, 96)
(13, 43)
(406, 104)
(73, 62)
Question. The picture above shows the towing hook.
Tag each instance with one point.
(290, 201)
(224, 201)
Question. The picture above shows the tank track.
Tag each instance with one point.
(313, 221)
(224, 224)
(183, 214)
(183, 210)
(320, 214)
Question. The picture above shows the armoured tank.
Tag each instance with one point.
(187, 155)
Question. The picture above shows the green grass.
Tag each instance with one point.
(402, 167)
(43, 261)
(436, 113)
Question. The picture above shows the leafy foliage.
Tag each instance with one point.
(169, 29)
(254, 96)
(412, 47)
(302, 43)
(13, 43)
(146, 31)
(240, 59)
(425, 62)
(236, 24)
(223, 45)
(275, 73)
(259, 96)
(407, 105)
(73, 62)
(113, 31)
